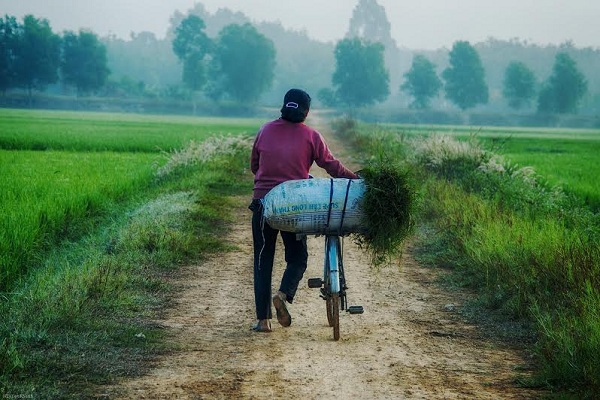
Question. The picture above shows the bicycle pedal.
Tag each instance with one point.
(323, 294)
(355, 310)
(315, 283)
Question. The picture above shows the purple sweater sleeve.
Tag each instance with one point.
(327, 161)
(254, 157)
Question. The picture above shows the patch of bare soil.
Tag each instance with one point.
(411, 342)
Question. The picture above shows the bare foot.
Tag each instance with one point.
(283, 315)
(263, 325)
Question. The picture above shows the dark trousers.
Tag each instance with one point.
(296, 256)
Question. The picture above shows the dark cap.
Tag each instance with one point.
(296, 104)
(296, 98)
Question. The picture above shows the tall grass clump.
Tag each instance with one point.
(390, 203)
(530, 248)
(388, 208)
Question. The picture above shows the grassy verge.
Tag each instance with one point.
(565, 157)
(531, 250)
(81, 317)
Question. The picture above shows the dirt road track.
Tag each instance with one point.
(411, 342)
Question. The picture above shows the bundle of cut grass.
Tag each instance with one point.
(388, 209)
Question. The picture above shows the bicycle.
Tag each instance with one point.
(333, 284)
(316, 212)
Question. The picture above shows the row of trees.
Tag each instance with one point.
(32, 56)
(240, 63)
(316, 65)
(464, 82)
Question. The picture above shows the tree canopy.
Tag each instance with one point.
(9, 31)
(243, 63)
(519, 85)
(370, 23)
(465, 77)
(421, 82)
(37, 54)
(84, 62)
(360, 77)
(191, 45)
(565, 88)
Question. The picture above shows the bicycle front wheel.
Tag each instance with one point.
(332, 283)
(333, 314)
(329, 303)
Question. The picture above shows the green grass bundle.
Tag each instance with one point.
(388, 206)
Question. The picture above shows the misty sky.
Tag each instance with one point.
(416, 24)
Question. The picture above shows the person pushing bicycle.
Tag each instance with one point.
(284, 149)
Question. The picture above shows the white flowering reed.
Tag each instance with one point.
(166, 205)
(495, 164)
(435, 150)
(202, 152)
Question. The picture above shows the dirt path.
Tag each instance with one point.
(411, 342)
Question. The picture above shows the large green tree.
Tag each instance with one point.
(191, 45)
(360, 77)
(37, 54)
(465, 77)
(243, 63)
(421, 82)
(519, 85)
(84, 62)
(9, 30)
(369, 22)
(565, 88)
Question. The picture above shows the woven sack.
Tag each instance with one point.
(316, 206)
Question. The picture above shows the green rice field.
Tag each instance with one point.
(86, 131)
(60, 171)
(573, 164)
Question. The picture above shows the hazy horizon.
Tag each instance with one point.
(427, 24)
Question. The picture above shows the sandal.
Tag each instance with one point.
(257, 327)
(283, 315)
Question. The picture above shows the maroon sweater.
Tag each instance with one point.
(285, 151)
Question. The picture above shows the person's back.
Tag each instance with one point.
(285, 151)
